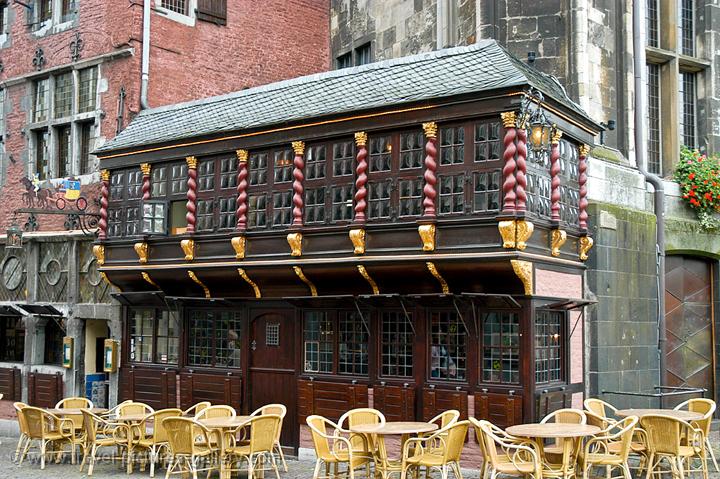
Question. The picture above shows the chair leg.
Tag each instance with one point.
(20, 444)
(43, 446)
(28, 443)
(282, 456)
(650, 466)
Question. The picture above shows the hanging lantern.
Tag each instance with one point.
(14, 237)
(532, 116)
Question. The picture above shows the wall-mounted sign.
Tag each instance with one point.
(67, 352)
(110, 355)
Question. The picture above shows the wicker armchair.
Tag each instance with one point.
(100, 432)
(554, 452)
(195, 409)
(505, 454)
(675, 441)
(599, 407)
(706, 407)
(215, 411)
(45, 429)
(75, 403)
(187, 454)
(280, 410)
(333, 450)
(444, 458)
(22, 424)
(610, 448)
(157, 442)
(362, 444)
(130, 408)
(263, 433)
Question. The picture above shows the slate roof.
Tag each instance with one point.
(480, 67)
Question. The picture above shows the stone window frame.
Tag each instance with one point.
(672, 63)
(76, 120)
(58, 21)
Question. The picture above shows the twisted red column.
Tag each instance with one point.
(430, 189)
(145, 167)
(555, 179)
(361, 177)
(299, 177)
(508, 170)
(242, 184)
(191, 215)
(521, 172)
(104, 193)
(582, 182)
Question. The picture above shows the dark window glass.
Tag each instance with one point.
(228, 172)
(167, 338)
(315, 162)
(448, 348)
(501, 348)
(63, 95)
(12, 339)
(688, 105)
(132, 220)
(204, 215)
(548, 346)
(411, 150)
(342, 202)
(343, 158)
(53, 343)
(41, 154)
(283, 166)
(380, 153)
(257, 210)
(488, 144)
(397, 345)
(134, 184)
(44, 10)
(282, 208)
(363, 54)
(411, 197)
(206, 175)
(86, 134)
(67, 10)
(214, 339)
(452, 193)
(379, 199)
(258, 168)
(88, 90)
(352, 344)
(158, 178)
(318, 340)
(64, 155)
(569, 186)
(486, 191)
(115, 219)
(651, 21)
(178, 178)
(315, 205)
(686, 25)
(228, 206)
(452, 149)
(344, 61)
(653, 118)
(41, 99)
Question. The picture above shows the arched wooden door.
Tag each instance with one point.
(272, 367)
(688, 322)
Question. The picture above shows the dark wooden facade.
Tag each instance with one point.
(444, 265)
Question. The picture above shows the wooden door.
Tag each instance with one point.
(272, 368)
(688, 323)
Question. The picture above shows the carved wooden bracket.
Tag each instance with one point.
(524, 271)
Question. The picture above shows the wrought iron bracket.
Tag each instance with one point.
(87, 222)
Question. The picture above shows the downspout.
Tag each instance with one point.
(145, 78)
(654, 180)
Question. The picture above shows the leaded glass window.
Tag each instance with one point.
(342, 203)
(452, 145)
(64, 152)
(228, 207)
(486, 191)
(63, 95)
(283, 166)
(380, 153)
(206, 175)
(569, 186)
(158, 181)
(352, 344)
(41, 100)
(315, 205)
(228, 172)
(214, 339)
(282, 208)
(258, 168)
(411, 150)
(688, 108)
(88, 89)
(154, 336)
(448, 346)
(488, 144)
(343, 158)
(315, 162)
(548, 346)
(686, 26)
(204, 215)
(651, 22)
(318, 341)
(257, 210)
(178, 178)
(501, 348)
(410, 192)
(141, 335)
(379, 199)
(397, 339)
(452, 194)
(653, 118)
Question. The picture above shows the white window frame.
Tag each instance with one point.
(55, 23)
(188, 19)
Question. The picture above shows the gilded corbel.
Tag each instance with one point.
(357, 236)
(238, 243)
(99, 253)
(507, 232)
(584, 246)
(558, 239)
(295, 242)
(256, 289)
(299, 272)
(147, 278)
(523, 231)
(524, 271)
(427, 235)
(188, 247)
(364, 273)
(434, 271)
(107, 280)
(141, 249)
(199, 283)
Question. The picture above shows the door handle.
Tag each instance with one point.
(253, 345)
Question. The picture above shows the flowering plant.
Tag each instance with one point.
(699, 179)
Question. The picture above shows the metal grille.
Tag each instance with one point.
(88, 89)
(486, 192)
(687, 98)
(63, 95)
(86, 132)
(282, 208)
(379, 199)
(63, 150)
(352, 344)
(501, 348)
(452, 194)
(283, 166)
(315, 205)
(380, 153)
(548, 346)
(687, 27)
(41, 154)
(41, 100)
(653, 118)
(448, 348)
(257, 209)
(651, 22)
(411, 150)
(411, 192)
(342, 202)
(272, 334)
(141, 335)
(343, 158)
(397, 345)
(452, 149)
(177, 6)
(315, 162)
(487, 141)
(318, 341)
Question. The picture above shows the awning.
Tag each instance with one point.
(568, 304)
(198, 302)
(141, 298)
(9, 311)
(492, 300)
(40, 309)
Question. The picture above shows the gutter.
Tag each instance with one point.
(654, 180)
(145, 76)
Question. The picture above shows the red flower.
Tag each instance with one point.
(708, 196)
(695, 202)
(691, 176)
(691, 193)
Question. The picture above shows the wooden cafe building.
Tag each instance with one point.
(408, 235)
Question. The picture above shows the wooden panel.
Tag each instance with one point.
(329, 399)
(44, 390)
(10, 386)
(436, 401)
(214, 11)
(501, 409)
(397, 403)
(549, 401)
(153, 386)
(218, 388)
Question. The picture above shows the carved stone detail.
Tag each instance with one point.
(558, 239)
(584, 246)
(434, 271)
(239, 243)
(188, 247)
(357, 236)
(427, 235)
(299, 272)
(364, 273)
(524, 271)
(142, 251)
(252, 284)
(295, 242)
(199, 283)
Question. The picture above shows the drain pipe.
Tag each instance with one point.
(145, 78)
(654, 180)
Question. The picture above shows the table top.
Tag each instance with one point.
(73, 411)
(224, 422)
(130, 418)
(552, 429)
(677, 414)
(391, 428)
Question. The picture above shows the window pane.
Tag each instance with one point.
(86, 134)
(318, 342)
(487, 141)
(41, 154)
(64, 155)
(687, 98)
(315, 162)
(342, 202)
(63, 95)
(343, 157)
(411, 197)
(257, 211)
(283, 166)
(315, 205)
(686, 27)
(258, 168)
(41, 99)
(282, 208)
(352, 344)
(206, 175)
(411, 150)
(88, 90)
(452, 194)
(227, 339)
(548, 346)
(487, 191)
(448, 352)
(200, 338)
(653, 118)
(380, 153)
(397, 345)
(452, 148)
(141, 335)
(177, 6)
(500, 348)
(651, 21)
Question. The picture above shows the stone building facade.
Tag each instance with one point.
(588, 47)
(70, 80)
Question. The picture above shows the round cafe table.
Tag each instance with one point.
(397, 428)
(225, 424)
(677, 414)
(568, 434)
(74, 411)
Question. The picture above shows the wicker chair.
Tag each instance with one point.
(263, 434)
(22, 424)
(131, 408)
(186, 453)
(505, 454)
(46, 428)
(193, 410)
(362, 445)
(215, 411)
(444, 459)
(157, 442)
(610, 448)
(677, 442)
(100, 432)
(599, 407)
(554, 452)
(706, 407)
(75, 403)
(113, 412)
(333, 450)
(280, 410)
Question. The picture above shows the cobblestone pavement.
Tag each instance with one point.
(104, 469)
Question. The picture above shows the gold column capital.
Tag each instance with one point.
(430, 128)
(557, 134)
(584, 150)
(509, 119)
(242, 155)
(191, 162)
(298, 147)
(361, 138)
(145, 168)
(105, 175)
